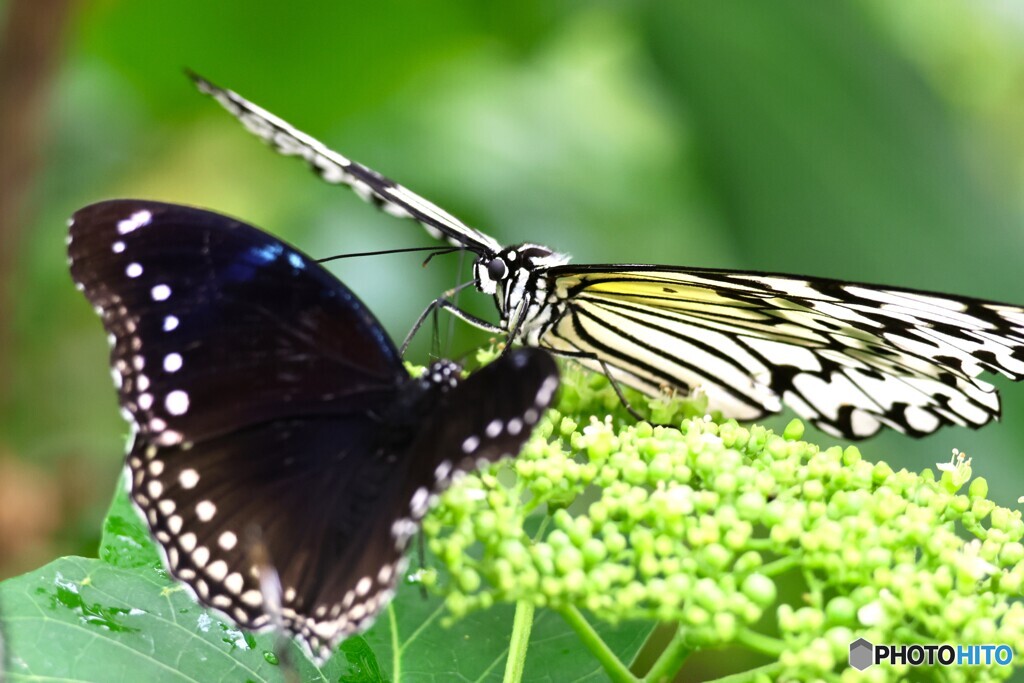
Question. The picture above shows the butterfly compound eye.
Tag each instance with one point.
(497, 269)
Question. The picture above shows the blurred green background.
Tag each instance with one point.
(877, 141)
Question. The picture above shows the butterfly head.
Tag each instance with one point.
(494, 271)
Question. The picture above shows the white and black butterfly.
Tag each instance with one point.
(849, 357)
(281, 454)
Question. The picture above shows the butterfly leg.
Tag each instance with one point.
(442, 302)
(618, 392)
(582, 355)
(517, 322)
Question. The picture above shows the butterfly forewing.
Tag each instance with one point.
(215, 324)
(339, 170)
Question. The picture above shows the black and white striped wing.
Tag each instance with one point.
(848, 357)
(336, 169)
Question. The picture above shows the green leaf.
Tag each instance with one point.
(121, 618)
(413, 645)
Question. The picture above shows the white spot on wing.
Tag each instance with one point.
(227, 540)
(187, 542)
(205, 510)
(188, 478)
(419, 502)
(135, 221)
(253, 598)
(160, 292)
(201, 556)
(170, 438)
(172, 362)
(177, 402)
(234, 583)
(217, 570)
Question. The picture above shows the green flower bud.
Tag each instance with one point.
(794, 430)
(760, 589)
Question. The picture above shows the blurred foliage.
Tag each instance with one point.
(875, 141)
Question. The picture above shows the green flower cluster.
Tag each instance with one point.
(703, 525)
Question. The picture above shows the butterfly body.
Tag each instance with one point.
(852, 358)
(281, 455)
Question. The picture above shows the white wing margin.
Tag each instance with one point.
(337, 169)
(850, 358)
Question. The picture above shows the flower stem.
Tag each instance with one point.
(767, 645)
(670, 661)
(522, 624)
(617, 671)
(781, 565)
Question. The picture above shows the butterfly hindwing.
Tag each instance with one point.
(488, 416)
(305, 499)
(849, 357)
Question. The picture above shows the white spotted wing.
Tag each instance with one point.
(282, 456)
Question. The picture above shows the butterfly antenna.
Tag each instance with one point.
(444, 250)
(436, 250)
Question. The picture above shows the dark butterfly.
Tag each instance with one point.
(272, 417)
(849, 357)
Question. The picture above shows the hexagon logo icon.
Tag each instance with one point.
(862, 654)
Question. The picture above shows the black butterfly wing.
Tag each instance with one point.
(215, 324)
(253, 380)
(336, 169)
(346, 498)
(487, 417)
(275, 513)
(284, 488)
(849, 357)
